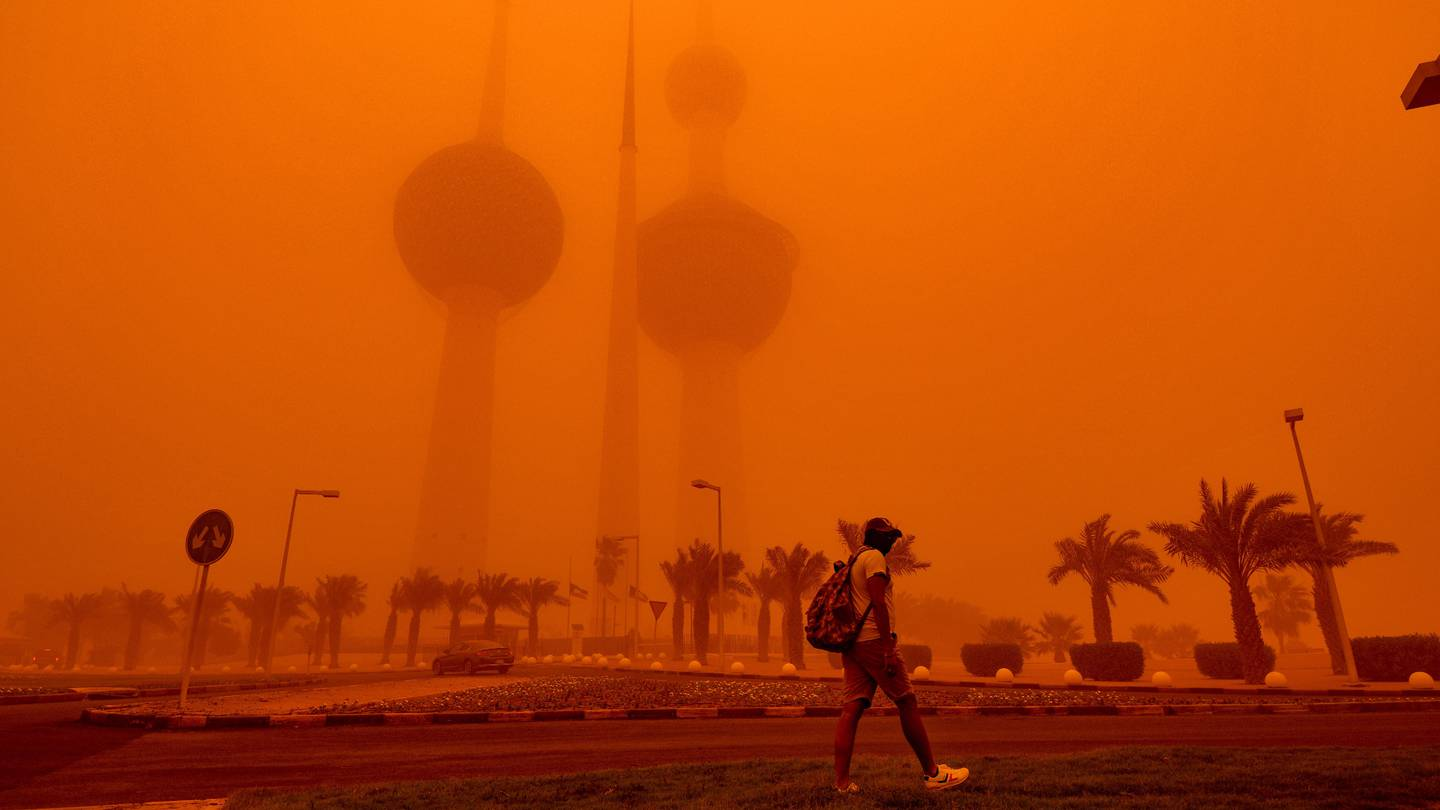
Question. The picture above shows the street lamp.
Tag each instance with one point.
(633, 597)
(284, 558)
(701, 483)
(1293, 416)
(1423, 89)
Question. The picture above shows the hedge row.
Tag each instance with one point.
(984, 659)
(1223, 660)
(1393, 658)
(1115, 661)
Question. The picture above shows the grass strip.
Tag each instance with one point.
(1156, 777)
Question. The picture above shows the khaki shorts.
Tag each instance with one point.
(865, 669)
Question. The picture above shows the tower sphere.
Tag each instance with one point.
(478, 213)
(705, 85)
(713, 269)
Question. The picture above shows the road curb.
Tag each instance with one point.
(90, 693)
(178, 722)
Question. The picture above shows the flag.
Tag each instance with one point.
(578, 592)
(636, 593)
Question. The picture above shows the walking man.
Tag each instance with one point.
(874, 661)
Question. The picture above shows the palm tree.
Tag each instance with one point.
(214, 611)
(767, 589)
(1106, 560)
(1007, 630)
(534, 594)
(74, 611)
(459, 597)
(1177, 641)
(1235, 538)
(344, 595)
(396, 602)
(799, 572)
(1145, 635)
(1058, 633)
(423, 591)
(1341, 547)
(681, 576)
(706, 567)
(901, 559)
(249, 607)
(1287, 607)
(141, 608)
(609, 556)
(496, 592)
(310, 635)
(292, 606)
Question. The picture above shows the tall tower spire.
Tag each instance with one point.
(619, 506)
(492, 103)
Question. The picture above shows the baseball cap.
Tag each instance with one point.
(881, 527)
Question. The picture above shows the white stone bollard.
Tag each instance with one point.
(385, 665)
(624, 663)
(788, 670)
(921, 673)
(693, 666)
(1421, 680)
(1276, 680)
(292, 668)
(1073, 677)
(354, 667)
(657, 666)
(737, 667)
(662, 656)
(1004, 675)
(1162, 679)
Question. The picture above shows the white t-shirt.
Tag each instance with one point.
(870, 563)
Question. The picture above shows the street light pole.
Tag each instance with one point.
(284, 559)
(1291, 417)
(700, 483)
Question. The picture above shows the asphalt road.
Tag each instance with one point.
(48, 759)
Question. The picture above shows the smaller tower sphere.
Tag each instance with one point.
(478, 213)
(705, 85)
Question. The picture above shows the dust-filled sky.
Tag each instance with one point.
(1057, 259)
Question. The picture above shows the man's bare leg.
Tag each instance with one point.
(914, 729)
(845, 739)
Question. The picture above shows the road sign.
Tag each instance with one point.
(209, 537)
(657, 608)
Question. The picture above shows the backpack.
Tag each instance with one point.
(830, 620)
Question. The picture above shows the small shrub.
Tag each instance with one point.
(984, 659)
(1222, 660)
(1116, 661)
(1393, 658)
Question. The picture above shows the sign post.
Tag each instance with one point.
(208, 539)
(657, 608)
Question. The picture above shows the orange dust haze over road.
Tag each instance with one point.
(1052, 262)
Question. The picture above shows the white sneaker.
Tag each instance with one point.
(947, 777)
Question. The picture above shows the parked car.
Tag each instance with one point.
(45, 658)
(471, 657)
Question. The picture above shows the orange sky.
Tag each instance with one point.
(1056, 261)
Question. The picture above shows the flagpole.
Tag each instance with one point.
(569, 598)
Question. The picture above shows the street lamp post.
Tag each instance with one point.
(636, 585)
(1423, 89)
(1293, 416)
(700, 483)
(285, 558)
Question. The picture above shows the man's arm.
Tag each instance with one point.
(875, 586)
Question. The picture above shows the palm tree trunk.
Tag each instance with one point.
(335, 641)
(252, 646)
(532, 639)
(677, 628)
(1059, 654)
(762, 632)
(72, 645)
(700, 628)
(390, 623)
(795, 632)
(454, 627)
(1100, 607)
(490, 623)
(1325, 617)
(1247, 633)
(413, 641)
(132, 643)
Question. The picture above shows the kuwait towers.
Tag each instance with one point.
(480, 229)
(714, 279)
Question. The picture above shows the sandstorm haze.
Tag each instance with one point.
(1054, 262)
